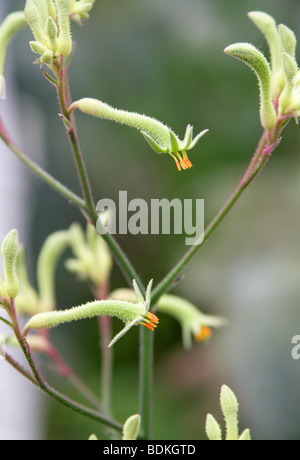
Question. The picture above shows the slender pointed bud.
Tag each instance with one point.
(213, 429)
(27, 299)
(257, 62)
(288, 40)
(51, 29)
(9, 251)
(245, 436)
(65, 37)
(34, 21)
(230, 408)
(131, 428)
(52, 249)
(10, 26)
(268, 27)
(37, 47)
(290, 70)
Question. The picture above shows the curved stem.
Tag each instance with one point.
(40, 172)
(43, 385)
(260, 158)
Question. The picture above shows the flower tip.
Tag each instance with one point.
(203, 334)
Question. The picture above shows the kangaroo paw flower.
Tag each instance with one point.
(130, 313)
(159, 136)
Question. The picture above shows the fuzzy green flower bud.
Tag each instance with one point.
(131, 428)
(213, 429)
(159, 136)
(131, 314)
(52, 249)
(34, 21)
(9, 250)
(288, 40)
(51, 29)
(27, 299)
(252, 57)
(42, 8)
(290, 69)
(65, 38)
(230, 409)
(37, 47)
(10, 26)
(268, 27)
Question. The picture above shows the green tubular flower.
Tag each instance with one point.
(194, 323)
(267, 26)
(48, 258)
(8, 29)
(130, 313)
(257, 62)
(92, 260)
(159, 136)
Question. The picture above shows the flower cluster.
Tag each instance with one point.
(49, 21)
(279, 80)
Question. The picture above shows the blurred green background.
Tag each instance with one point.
(165, 59)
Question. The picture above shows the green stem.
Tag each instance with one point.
(40, 172)
(64, 97)
(63, 92)
(105, 333)
(256, 165)
(146, 382)
(43, 385)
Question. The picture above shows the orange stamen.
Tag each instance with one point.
(204, 334)
(150, 321)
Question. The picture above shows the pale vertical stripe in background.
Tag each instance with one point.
(20, 402)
